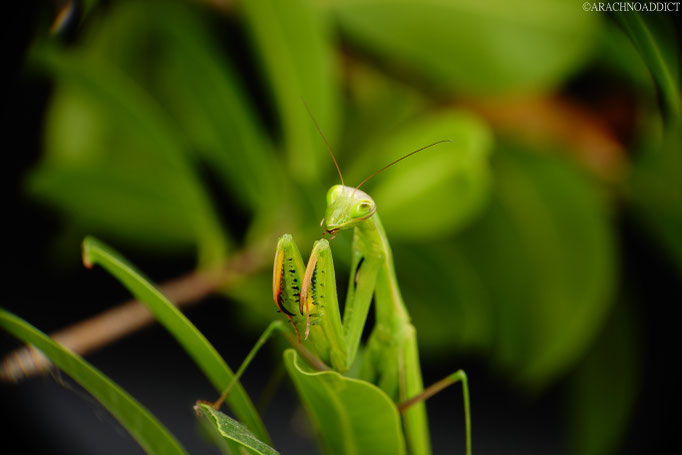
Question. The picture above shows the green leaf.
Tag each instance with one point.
(442, 188)
(294, 45)
(177, 60)
(352, 416)
(655, 188)
(144, 427)
(603, 388)
(619, 59)
(232, 430)
(658, 52)
(529, 283)
(545, 251)
(470, 46)
(378, 105)
(140, 211)
(127, 133)
(447, 297)
(195, 344)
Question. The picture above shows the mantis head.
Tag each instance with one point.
(346, 207)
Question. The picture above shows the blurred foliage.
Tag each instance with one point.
(655, 40)
(294, 47)
(530, 281)
(603, 388)
(474, 47)
(454, 180)
(503, 249)
(656, 190)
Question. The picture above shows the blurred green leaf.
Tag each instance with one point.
(620, 59)
(294, 44)
(546, 253)
(255, 294)
(114, 202)
(144, 427)
(234, 431)
(530, 281)
(378, 105)
(195, 344)
(655, 187)
(352, 416)
(180, 64)
(657, 46)
(447, 297)
(603, 388)
(442, 188)
(470, 46)
(126, 136)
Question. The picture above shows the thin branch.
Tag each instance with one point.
(427, 393)
(98, 331)
(316, 363)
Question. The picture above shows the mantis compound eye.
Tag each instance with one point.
(334, 193)
(363, 209)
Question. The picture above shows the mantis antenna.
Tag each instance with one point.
(319, 130)
(400, 159)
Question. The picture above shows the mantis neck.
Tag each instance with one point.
(390, 308)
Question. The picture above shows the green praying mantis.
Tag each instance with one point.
(307, 295)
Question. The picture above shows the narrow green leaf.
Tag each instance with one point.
(474, 46)
(352, 416)
(144, 427)
(655, 187)
(189, 337)
(619, 59)
(660, 55)
(232, 430)
(294, 44)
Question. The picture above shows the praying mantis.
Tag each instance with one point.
(307, 296)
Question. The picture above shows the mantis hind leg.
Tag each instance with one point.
(457, 376)
(392, 362)
(272, 327)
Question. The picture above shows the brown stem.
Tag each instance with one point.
(312, 360)
(98, 331)
(427, 393)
